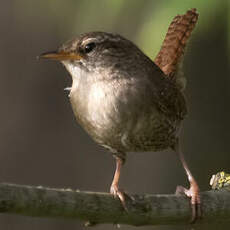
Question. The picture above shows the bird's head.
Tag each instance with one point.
(97, 52)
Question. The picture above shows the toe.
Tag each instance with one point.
(194, 194)
(195, 205)
(116, 192)
(196, 212)
(121, 196)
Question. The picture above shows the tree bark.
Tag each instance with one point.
(99, 208)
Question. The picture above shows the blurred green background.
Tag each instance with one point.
(41, 144)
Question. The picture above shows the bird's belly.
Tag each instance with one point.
(127, 132)
(124, 126)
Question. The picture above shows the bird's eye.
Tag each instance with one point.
(89, 47)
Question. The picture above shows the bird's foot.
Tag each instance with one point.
(117, 192)
(194, 194)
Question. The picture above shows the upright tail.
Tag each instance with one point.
(173, 46)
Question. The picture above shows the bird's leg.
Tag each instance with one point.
(193, 192)
(114, 189)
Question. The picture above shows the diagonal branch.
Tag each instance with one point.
(103, 208)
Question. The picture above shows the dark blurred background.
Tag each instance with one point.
(41, 144)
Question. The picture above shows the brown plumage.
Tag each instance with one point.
(125, 101)
(175, 41)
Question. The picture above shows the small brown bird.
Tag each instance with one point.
(125, 101)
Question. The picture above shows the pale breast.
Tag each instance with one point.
(120, 114)
(97, 108)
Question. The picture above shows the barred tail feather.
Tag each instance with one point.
(172, 49)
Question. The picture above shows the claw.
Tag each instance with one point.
(116, 192)
(194, 194)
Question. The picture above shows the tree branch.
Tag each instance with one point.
(103, 208)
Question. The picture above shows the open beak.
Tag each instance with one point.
(60, 56)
